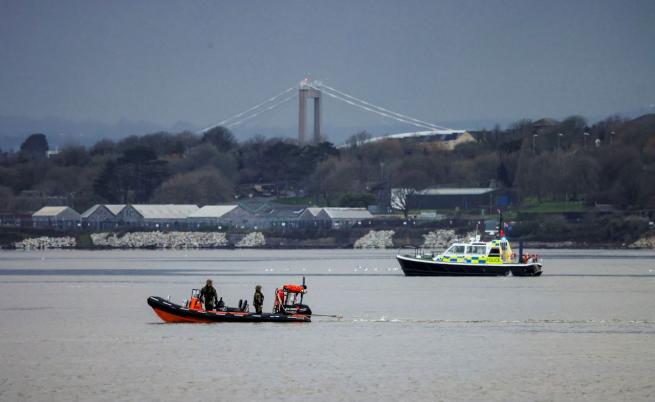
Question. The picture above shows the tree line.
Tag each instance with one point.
(612, 161)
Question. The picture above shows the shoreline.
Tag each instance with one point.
(356, 238)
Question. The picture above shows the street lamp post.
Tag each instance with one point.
(612, 138)
(585, 135)
(559, 137)
(534, 146)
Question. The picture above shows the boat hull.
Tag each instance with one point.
(419, 267)
(171, 312)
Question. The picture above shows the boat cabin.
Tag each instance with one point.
(477, 252)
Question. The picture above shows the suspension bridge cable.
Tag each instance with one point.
(324, 86)
(403, 116)
(385, 110)
(269, 108)
(248, 111)
(380, 112)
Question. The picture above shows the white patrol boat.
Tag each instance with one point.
(476, 258)
(473, 258)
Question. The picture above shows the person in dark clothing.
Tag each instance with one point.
(258, 299)
(209, 296)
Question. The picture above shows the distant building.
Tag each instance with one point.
(311, 218)
(56, 218)
(544, 125)
(452, 198)
(276, 216)
(449, 139)
(160, 216)
(102, 216)
(15, 219)
(453, 140)
(52, 152)
(214, 216)
(340, 218)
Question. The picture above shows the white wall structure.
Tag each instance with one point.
(211, 215)
(160, 216)
(345, 217)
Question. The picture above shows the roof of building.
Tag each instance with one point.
(165, 211)
(275, 211)
(90, 211)
(545, 122)
(115, 208)
(212, 211)
(348, 213)
(112, 208)
(314, 210)
(415, 134)
(456, 191)
(52, 211)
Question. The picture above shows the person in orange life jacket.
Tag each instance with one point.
(279, 301)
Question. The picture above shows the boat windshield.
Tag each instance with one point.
(476, 250)
(456, 249)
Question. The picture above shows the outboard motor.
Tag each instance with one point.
(288, 299)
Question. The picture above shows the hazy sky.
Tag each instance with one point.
(443, 61)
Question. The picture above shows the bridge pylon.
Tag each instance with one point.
(308, 91)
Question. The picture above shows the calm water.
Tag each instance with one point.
(75, 326)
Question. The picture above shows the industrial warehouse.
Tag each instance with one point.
(115, 217)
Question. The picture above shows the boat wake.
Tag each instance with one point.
(384, 319)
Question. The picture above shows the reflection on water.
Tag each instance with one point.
(75, 325)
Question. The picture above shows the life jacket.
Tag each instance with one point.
(194, 304)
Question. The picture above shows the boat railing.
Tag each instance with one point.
(416, 252)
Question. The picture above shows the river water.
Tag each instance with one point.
(74, 325)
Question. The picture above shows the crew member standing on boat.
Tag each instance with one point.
(258, 299)
(278, 306)
(209, 296)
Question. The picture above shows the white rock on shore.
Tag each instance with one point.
(376, 239)
(440, 239)
(644, 242)
(252, 239)
(42, 243)
(161, 240)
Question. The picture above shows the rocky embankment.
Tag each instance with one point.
(376, 239)
(43, 243)
(439, 239)
(252, 239)
(442, 238)
(644, 242)
(160, 240)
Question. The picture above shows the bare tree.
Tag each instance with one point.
(358, 138)
(400, 199)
